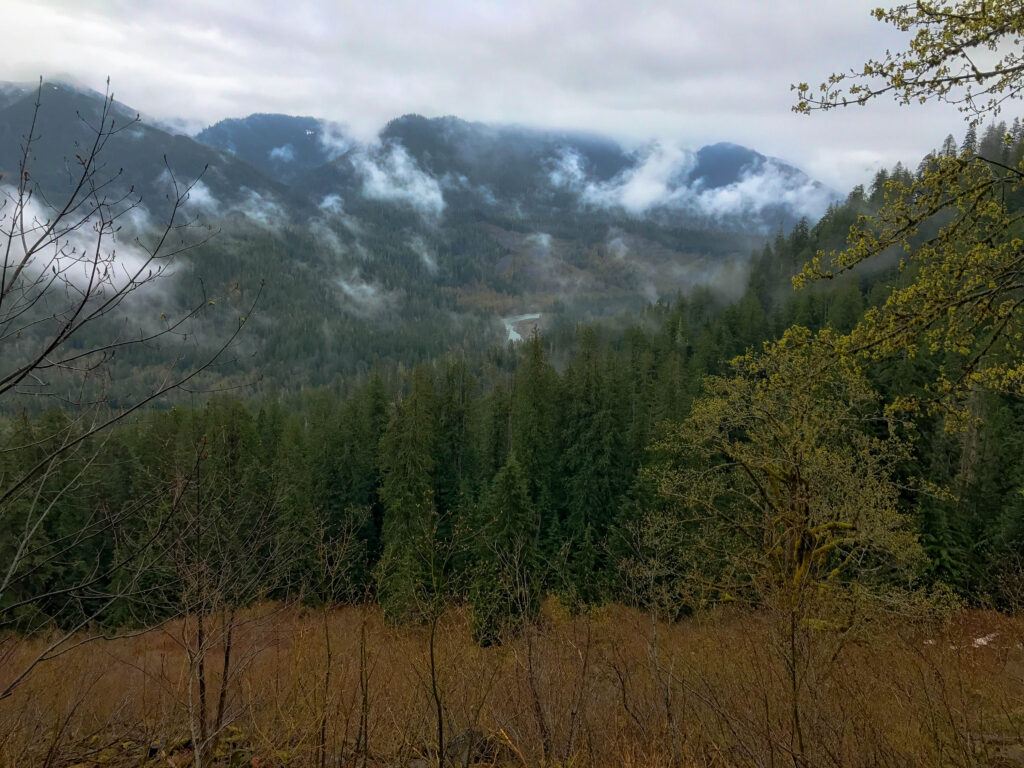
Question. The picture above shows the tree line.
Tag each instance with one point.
(498, 478)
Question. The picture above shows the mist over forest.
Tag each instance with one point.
(466, 442)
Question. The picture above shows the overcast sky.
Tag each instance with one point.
(686, 71)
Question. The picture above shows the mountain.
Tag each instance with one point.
(136, 154)
(448, 163)
(511, 162)
(722, 164)
(11, 92)
(426, 238)
(280, 146)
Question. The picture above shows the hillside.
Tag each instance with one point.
(425, 239)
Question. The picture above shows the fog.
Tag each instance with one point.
(391, 174)
(659, 180)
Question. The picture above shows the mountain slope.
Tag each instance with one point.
(141, 154)
(280, 146)
(437, 164)
(424, 239)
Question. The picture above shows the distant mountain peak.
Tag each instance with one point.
(439, 166)
(718, 165)
(281, 146)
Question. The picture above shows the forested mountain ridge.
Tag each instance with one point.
(431, 164)
(401, 249)
(135, 155)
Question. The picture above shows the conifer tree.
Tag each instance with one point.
(411, 528)
(505, 586)
(535, 420)
(456, 458)
(593, 440)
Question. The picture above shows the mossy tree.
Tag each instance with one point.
(778, 491)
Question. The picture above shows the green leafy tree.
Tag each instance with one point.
(778, 492)
(957, 226)
(962, 52)
(782, 482)
(961, 275)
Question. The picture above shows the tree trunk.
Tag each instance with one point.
(225, 674)
(436, 693)
(327, 690)
(201, 651)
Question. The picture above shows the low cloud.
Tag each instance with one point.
(79, 254)
(333, 206)
(261, 209)
(659, 180)
(617, 245)
(540, 244)
(419, 247)
(334, 139)
(326, 236)
(284, 153)
(391, 174)
(768, 185)
(200, 198)
(650, 183)
(364, 298)
(460, 183)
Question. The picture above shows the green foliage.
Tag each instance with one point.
(951, 322)
(960, 283)
(960, 51)
(781, 482)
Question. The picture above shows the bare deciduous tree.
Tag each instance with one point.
(74, 259)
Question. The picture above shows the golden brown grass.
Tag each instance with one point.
(610, 689)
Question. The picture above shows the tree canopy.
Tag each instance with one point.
(963, 52)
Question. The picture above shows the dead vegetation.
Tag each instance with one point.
(611, 688)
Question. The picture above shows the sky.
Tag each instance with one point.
(680, 71)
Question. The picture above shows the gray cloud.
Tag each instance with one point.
(645, 186)
(201, 202)
(363, 298)
(334, 138)
(540, 244)
(419, 247)
(769, 185)
(84, 254)
(332, 204)
(391, 174)
(285, 153)
(262, 209)
(333, 207)
(659, 181)
(691, 72)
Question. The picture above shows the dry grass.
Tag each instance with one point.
(610, 689)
